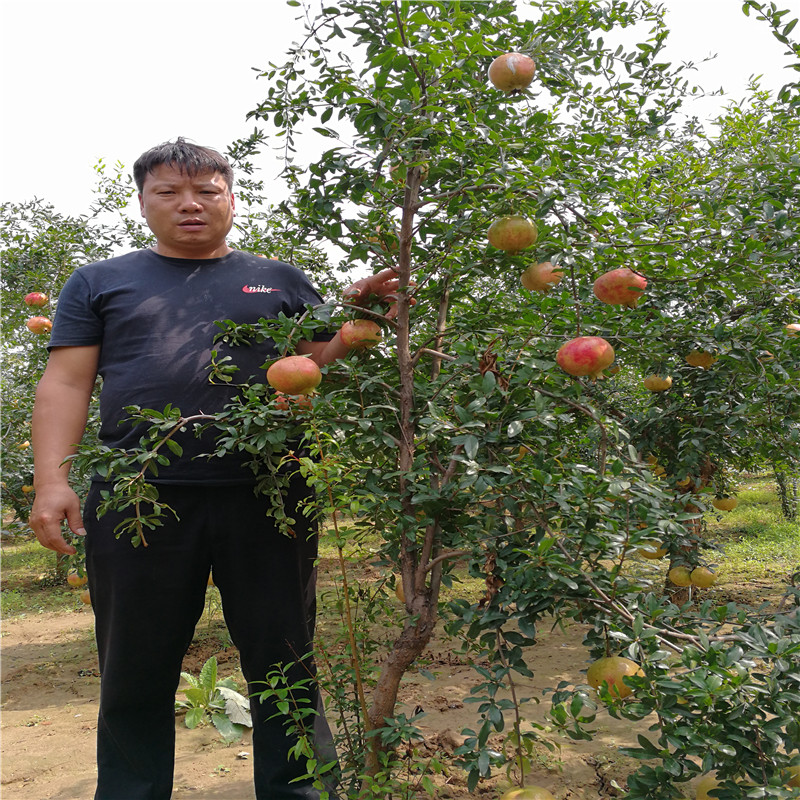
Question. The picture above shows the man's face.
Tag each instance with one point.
(190, 216)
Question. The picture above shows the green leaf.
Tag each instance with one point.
(227, 729)
(194, 716)
(208, 674)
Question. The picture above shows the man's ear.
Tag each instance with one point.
(233, 202)
(141, 204)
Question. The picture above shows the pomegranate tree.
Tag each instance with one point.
(620, 287)
(541, 277)
(585, 356)
(512, 72)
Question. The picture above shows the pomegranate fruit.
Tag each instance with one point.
(652, 549)
(725, 503)
(700, 358)
(512, 72)
(611, 670)
(386, 240)
(655, 383)
(680, 576)
(541, 277)
(294, 375)
(39, 325)
(706, 783)
(620, 287)
(586, 355)
(297, 404)
(528, 793)
(703, 577)
(76, 580)
(35, 299)
(512, 234)
(359, 334)
(794, 775)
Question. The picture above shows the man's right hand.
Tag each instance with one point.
(59, 418)
(51, 506)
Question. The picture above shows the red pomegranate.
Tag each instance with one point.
(359, 334)
(620, 287)
(512, 71)
(541, 277)
(294, 375)
(39, 325)
(585, 356)
(36, 299)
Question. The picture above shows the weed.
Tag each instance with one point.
(217, 701)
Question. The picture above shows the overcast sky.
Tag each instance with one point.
(90, 79)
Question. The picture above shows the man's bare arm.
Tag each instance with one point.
(59, 419)
(384, 286)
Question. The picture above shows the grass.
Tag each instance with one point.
(755, 540)
(31, 583)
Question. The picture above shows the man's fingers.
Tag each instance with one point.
(75, 522)
(52, 539)
(50, 509)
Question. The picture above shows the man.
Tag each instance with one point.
(144, 321)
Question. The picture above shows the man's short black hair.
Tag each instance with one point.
(191, 159)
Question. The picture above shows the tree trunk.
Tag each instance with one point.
(406, 649)
(787, 493)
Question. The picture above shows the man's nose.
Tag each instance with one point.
(189, 202)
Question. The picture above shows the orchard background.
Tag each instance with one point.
(458, 448)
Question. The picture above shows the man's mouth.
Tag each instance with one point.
(192, 223)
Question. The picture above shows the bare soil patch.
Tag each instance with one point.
(50, 700)
(50, 691)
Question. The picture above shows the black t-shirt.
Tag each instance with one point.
(153, 318)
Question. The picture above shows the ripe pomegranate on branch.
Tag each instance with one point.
(586, 356)
(512, 72)
(541, 277)
(620, 287)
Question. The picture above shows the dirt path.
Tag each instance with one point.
(50, 700)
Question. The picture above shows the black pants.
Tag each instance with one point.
(147, 601)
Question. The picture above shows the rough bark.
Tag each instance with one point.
(787, 493)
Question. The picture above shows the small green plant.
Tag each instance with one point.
(292, 702)
(219, 702)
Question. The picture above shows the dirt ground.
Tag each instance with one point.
(50, 700)
(51, 686)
